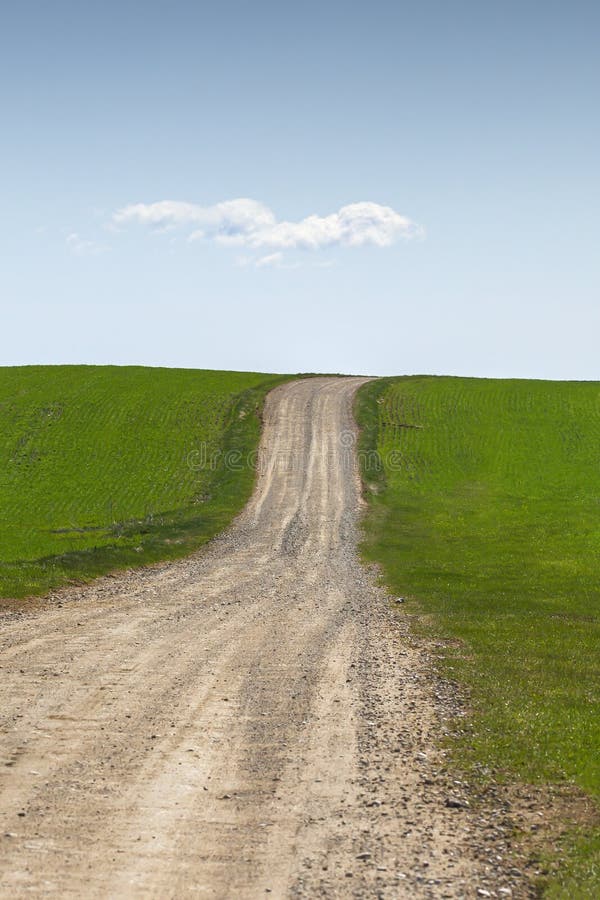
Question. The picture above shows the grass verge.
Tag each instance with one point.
(485, 515)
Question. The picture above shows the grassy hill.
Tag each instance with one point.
(104, 467)
(486, 517)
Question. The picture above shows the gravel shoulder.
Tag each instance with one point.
(253, 719)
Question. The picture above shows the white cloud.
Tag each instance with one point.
(272, 259)
(248, 223)
(353, 226)
(78, 245)
(237, 217)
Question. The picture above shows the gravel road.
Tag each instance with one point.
(251, 720)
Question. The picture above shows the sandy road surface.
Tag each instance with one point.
(245, 721)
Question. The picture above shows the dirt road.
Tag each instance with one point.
(250, 720)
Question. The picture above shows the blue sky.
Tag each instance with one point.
(468, 131)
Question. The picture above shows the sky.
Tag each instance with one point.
(381, 188)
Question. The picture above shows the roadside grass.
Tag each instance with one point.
(486, 517)
(104, 467)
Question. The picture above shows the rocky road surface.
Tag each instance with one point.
(252, 720)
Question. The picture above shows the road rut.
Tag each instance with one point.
(250, 720)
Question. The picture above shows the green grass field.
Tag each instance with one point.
(103, 467)
(486, 517)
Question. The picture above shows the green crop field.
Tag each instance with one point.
(104, 467)
(486, 517)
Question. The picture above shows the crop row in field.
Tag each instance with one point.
(104, 466)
